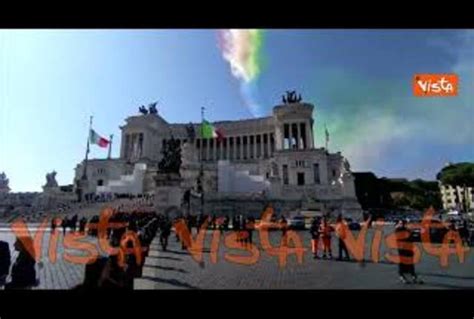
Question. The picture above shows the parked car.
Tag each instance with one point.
(268, 225)
(296, 222)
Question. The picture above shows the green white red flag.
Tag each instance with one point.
(96, 139)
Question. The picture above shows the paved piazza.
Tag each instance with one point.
(176, 269)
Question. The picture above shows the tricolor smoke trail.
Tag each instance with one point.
(243, 50)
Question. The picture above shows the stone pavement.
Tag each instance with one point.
(58, 275)
(175, 269)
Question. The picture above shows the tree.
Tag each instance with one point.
(460, 174)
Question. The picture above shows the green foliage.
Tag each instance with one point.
(460, 174)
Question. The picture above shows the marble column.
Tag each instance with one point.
(214, 149)
(282, 137)
(289, 136)
(248, 147)
(269, 145)
(235, 148)
(255, 146)
(221, 149)
(241, 150)
(309, 137)
(298, 136)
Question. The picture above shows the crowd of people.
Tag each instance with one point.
(137, 216)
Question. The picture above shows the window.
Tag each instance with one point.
(300, 163)
(294, 134)
(100, 182)
(317, 179)
(286, 136)
(303, 136)
(333, 173)
(140, 144)
(300, 178)
(285, 174)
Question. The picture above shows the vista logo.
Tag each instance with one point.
(425, 85)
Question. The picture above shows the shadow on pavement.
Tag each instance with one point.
(446, 286)
(165, 257)
(172, 282)
(447, 276)
(168, 268)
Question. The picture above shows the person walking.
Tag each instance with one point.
(405, 251)
(464, 233)
(326, 232)
(250, 229)
(165, 232)
(82, 225)
(341, 231)
(23, 273)
(64, 223)
(315, 234)
(5, 261)
(53, 224)
(284, 230)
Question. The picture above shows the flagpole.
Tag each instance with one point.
(84, 172)
(110, 146)
(201, 171)
(326, 133)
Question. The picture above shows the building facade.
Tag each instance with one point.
(453, 197)
(270, 158)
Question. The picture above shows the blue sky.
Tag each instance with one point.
(359, 81)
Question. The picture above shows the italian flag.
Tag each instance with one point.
(96, 139)
(209, 131)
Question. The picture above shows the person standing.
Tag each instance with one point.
(250, 229)
(64, 224)
(226, 223)
(213, 222)
(284, 230)
(53, 224)
(220, 224)
(82, 225)
(23, 273)
(326, 231)
(5, 261)
(341, 231)
(165, 231)
(464, 233)
(315, 234)
(405, 251)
